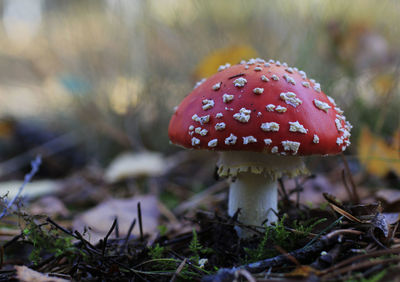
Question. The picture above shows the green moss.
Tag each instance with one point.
(156, 252)
(197, 249)
(374, 278)
(48, 241)
(279, 235)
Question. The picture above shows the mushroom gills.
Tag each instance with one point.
(231, 163)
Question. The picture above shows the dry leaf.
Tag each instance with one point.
(130, 165)
(391, 217)
(32, 190)
(388, 196)
(370, 209)
(25, 274)
(314, 188)
(379, 221)
(376, 155)
(101, 217)
(49, 205)
(302, 271)
(232, 54)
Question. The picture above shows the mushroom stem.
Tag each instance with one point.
(257, 198)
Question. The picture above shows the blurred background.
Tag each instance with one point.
(83, 81)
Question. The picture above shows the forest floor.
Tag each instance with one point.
(89, 229)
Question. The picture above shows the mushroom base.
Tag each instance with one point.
(253, 187)
(257, 198)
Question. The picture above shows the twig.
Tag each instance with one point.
(1, 256)
(283, 189)
(192, 265)
(361, 265)
(371, 233)
(298, 189)
(353, 184)
(364, 256)
(128, 235)
(180, 239)
(28, 177)
(168, 213)
(92, 249)
(325, 229)
(245, 274)
(108, 234)
(49, 220)
(346, 186)
(178, 270)
(328, 259)
(302, 254)
(183, 238)
(289, 256)
(116, 227)
(13, 240)
(140, 221)
(344, 231)
(86, 242)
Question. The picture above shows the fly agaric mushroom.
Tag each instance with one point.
(262, 117)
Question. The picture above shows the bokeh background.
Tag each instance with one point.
(87, 80)
(90, 85)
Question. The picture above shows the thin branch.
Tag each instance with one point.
(124, 246)
(346, 186)
(284, 193)
(28, 177)
(139, 210)
(178, 270)
(49, 220)
(325, 229)
(302, 254)
(353, 184)
(108, 234)
(363, 256)
(361, 265)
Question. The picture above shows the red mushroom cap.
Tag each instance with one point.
(262, 107)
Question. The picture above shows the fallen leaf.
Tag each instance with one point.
(32, 190)
(50, 206)
(388, 196)
(130, 165)
(390, 199)
(315, 187)
(25, 274)
(231, 54)
(391, 217)
(376, 155)
(302, 271)
(101, 217)
(379, 221)
(370, 209)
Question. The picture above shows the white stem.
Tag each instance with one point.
(257, 198)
